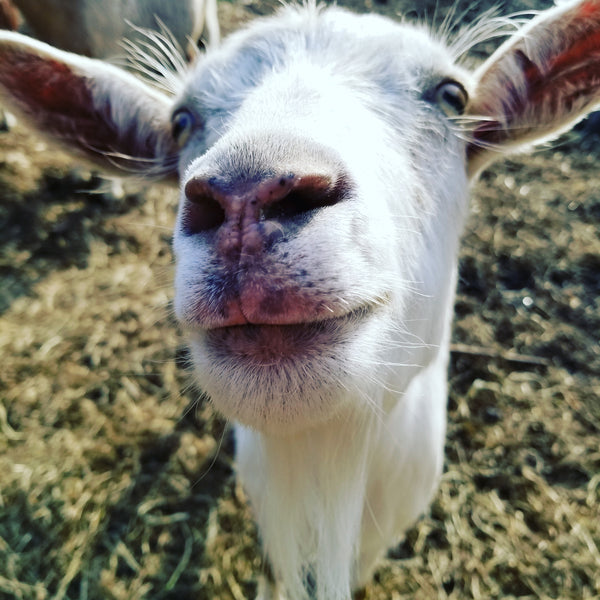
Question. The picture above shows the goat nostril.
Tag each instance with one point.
(308, 193)
(210, 203)
(202, 211)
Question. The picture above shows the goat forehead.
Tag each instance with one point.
(360, 50)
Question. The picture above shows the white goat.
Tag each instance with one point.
(97, 29)
(324, 167)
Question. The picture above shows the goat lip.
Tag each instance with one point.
(266, 344)
(296, 322)
(247, 314)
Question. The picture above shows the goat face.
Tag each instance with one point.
(318, 158)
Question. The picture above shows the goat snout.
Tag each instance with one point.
(251, 217)
(257, 227)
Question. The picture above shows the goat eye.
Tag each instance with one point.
(182, 124)
(451, 97)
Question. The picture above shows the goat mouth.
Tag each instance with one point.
(280, 378)
(268, 345)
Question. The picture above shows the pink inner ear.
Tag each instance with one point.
(71, 101)
(60, 89)
(582, 54)
(541, 82)
(589, 9)
(44, 87)
(570, 76)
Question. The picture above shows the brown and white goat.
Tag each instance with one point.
(324, 161)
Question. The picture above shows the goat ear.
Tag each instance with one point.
(538, 83)
(91, 107)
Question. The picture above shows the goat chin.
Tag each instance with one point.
(283, 379)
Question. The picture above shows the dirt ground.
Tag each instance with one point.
(116, 476)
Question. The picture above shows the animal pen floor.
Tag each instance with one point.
(116, 481)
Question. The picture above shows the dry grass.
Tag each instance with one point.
(115, 483)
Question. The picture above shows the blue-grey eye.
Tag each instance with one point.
(182, 124)
(451, 97)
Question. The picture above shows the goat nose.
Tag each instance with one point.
(214, 203)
